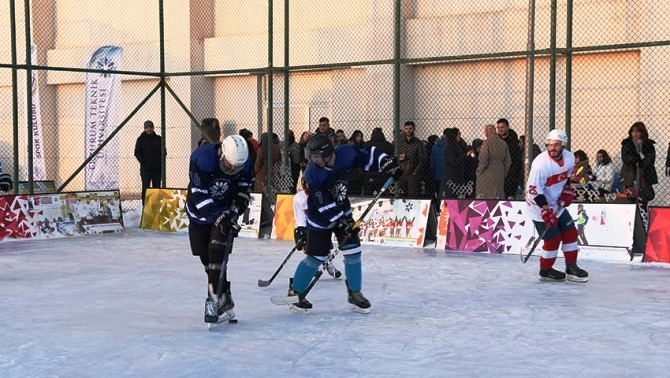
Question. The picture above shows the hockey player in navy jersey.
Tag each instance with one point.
(329, 211)
(220, 176)
(548, 195)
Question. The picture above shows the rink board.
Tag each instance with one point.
(46, 216)
(392, 222)
(504, 227)
(657, 248)
(164, 211)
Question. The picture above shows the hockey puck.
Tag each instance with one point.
(232, 321)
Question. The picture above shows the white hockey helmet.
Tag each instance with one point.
(558, 134)
(234, 153)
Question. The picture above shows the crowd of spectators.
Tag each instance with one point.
(447, 166)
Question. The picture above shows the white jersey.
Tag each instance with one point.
(548, 177)
(300, 209)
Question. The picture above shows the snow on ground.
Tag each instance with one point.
(131, 304)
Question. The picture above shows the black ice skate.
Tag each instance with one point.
(302, 307)
(551, 274)
(336, 274)
(218, 310)
(576, 274)
(358, 302)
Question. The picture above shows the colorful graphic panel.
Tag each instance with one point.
(658, 236)
(503, 227)
(283, 222)
(164, 211)
(60, 215)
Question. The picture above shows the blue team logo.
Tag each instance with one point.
(218, 189)
(339, 191)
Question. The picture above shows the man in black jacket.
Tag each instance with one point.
(413, 161)
(514, 177)
(148, 153)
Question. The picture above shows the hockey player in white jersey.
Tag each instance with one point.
(548, 196)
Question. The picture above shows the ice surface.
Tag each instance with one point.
(131, 304)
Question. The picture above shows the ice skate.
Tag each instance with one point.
(551, 275)
(336, 274)
(358, 302)
(302, 307)
(576, 274)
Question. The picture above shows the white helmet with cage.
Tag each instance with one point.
(558, 134)
(234, 154)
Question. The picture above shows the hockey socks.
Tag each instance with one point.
(304, 273)
(353, 270)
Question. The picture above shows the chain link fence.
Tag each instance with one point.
(367, 65)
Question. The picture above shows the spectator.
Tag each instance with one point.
(667, 163)
(148, 153)
(432, 186)
(477, 146)
(639, 156)
(248, 137)
(357, 139)
(454, 181)
(413, 160)
(294, 160)
(304, 137)
(211, 130)
(582, 170)
(261, 164)
(6, 183)
(437, 161)
(514, 177)
(602, 177)
(522, 146)
(324, 128)
(356, 180)
(376, 180)
(494, 164)
(340, 137)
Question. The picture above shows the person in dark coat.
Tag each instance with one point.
(514, 177)
(374, 181)
(455, 183)
(413, 161)
(148, 153)
(638, 173)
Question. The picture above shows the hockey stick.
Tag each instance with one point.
(263, 283)
(524, 259)
(284, 300)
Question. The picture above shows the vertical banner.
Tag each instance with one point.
(39, 168)
(103, 98)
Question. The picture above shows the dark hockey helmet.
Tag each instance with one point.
(319, 144)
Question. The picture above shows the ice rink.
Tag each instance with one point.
(131, 304)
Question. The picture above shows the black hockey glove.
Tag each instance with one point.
(348, 225)
(5, 183)
(300, 237)
(227, 223)
(241, 201)
(389, 164)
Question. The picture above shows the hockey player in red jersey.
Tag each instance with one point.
(548, 196)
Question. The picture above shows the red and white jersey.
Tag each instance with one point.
(548, 177)
(300, 209)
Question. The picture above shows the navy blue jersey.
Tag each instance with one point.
(328, 200)
(210, 191)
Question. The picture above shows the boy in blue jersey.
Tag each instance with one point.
(329, 211)
(220, 176)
